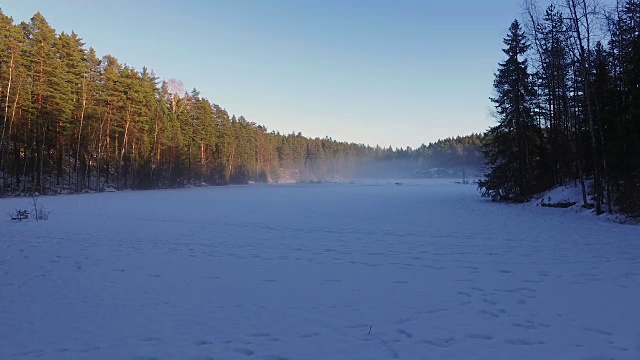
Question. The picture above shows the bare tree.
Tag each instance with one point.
(581, 14)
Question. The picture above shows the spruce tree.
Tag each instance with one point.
(513, 144)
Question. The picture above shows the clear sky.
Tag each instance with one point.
(397, 73)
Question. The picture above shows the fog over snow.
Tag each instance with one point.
(366, 270)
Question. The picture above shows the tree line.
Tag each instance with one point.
(567, 104)
(72, 120)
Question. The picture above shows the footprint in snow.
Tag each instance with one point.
(92, 348)
(358, 326)
(309, 335)
(489, 313)
(244, 351)
(598, 331)
(260, 334)
(490, 302)
(401, 321)
(442, 343)
(29, 352)
(523, 342)
(620, 348)
(203, 342)
(480, 336)
(275, 357)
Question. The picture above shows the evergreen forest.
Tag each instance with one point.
(567, 104)
(74, 121)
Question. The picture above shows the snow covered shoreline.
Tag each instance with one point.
(305, 271)
(569, 199)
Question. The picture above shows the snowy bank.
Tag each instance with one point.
(570, 199)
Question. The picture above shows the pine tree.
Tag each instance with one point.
(10, 74)
(48, 104)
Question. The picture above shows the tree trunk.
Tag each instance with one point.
(4, 123)
(84, 104)
(582, 59)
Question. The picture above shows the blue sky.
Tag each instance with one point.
(397, 73)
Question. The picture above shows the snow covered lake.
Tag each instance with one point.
(426, 270)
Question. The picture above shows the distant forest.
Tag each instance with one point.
(73, 121)
(567, 101)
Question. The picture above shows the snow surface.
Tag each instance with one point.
(369, 270)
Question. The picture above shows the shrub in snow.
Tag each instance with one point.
(20, 215)
(39, 211)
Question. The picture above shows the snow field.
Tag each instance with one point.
(371, 270)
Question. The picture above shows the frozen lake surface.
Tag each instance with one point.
(426, 270)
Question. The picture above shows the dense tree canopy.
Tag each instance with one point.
(72, 120)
